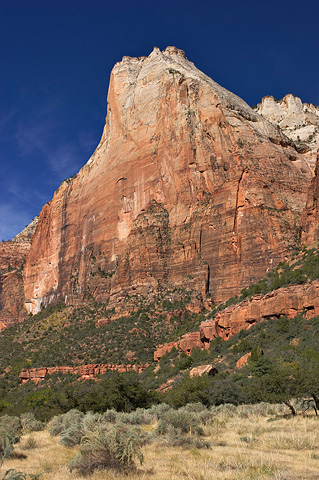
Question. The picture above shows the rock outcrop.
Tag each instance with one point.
(188, 184)
(243, 361)
(288, 301)
(310, 223)
(299, 121)
(13, 254)
(84, 372)
(203, 370)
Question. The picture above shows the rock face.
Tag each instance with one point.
(13, 254)
(84, 372)
(299, 121)
(242, 362)
(288, 301)
(310, 224)
(203, 370)
(188, 184)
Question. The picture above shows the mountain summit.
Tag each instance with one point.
(188, 187)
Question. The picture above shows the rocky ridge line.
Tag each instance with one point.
(187, 184)
(298, 121)
(288, 301)
(84, 372)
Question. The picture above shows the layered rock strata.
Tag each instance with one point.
(188, 184)
(310, 223)
(83, 372)
(299, 121)
(13, 254)
(289, 301)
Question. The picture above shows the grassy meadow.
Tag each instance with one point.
(245, 442)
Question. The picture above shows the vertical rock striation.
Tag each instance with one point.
(13, 254)
(310, 223)
(187, 187)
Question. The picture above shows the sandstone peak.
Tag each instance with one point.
(174, 51)
(27, 232)
(189, 187)
(298, 121)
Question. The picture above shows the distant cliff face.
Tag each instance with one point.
(188, 187)
(12, 259)
(288, 301)
(299, 121)
(310, 223)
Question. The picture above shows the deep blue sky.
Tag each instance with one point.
(56, 57)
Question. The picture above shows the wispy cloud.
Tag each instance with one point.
(44, 156)
(13, 220)
(88, 141)
(27, 195)
(35, 133)
(64, 161)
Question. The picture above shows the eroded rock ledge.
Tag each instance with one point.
(84, 372)
(288, 301)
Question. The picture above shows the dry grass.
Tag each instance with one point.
(250, 448)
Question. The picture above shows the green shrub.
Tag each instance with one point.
(10, 427)
(181, 428)
(91, 420)
(110, 415)
(61, 423)
(157, 411)
(30, 424)
(182, 420)
(140, 416)
(200, 411)
(5, 447)
(72, 435)
(113, 447)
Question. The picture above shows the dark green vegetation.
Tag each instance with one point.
(288, 367)
(70, 336)
(303, 268)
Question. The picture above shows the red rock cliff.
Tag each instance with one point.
(288, 301)
(13, 254)
(188, 185)
(83, 372)
(310, 224)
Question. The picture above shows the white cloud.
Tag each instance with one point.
(13, 220)
(28, 196)
(35, 135)
(64, 161)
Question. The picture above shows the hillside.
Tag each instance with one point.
(64, 336)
